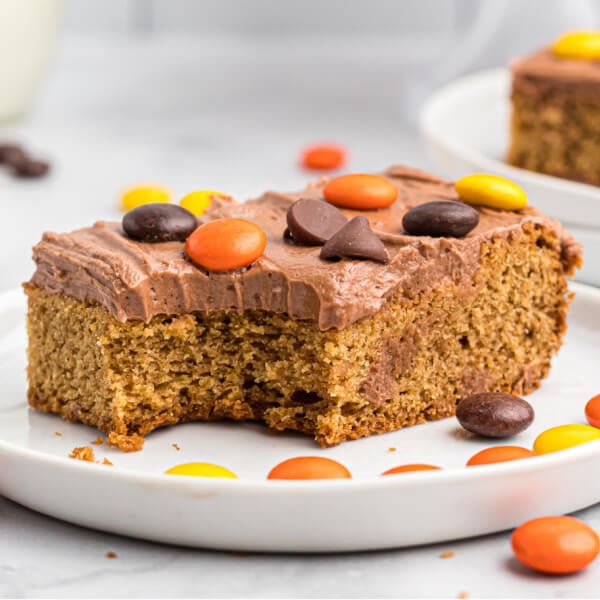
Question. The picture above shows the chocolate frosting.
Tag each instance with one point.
(136, 280)
(544, 72)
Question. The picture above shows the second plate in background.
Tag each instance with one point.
(466, 127)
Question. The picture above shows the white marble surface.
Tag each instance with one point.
(229, 115)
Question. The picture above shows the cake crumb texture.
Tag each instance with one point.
(410, 362)
(85, 453)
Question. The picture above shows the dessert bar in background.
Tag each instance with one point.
(555, 123)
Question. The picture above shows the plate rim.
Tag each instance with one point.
(428, 116)
(15, 298)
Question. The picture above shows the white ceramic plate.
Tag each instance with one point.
(134, 498)
(466, 127)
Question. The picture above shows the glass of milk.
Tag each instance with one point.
(27, 32)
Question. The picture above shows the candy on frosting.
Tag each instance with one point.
(134, 280)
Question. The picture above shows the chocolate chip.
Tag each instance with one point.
(494, 414)
(355, 240)
(12, 154)
(31, 168)
(313, 222)
(159, 223)
(441, 218)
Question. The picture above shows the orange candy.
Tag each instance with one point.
(498, 454)
(309, 467)
(323, 157)
(226, 244)
(555, 545)
(411, 467)
(592, 411)
(360, 191)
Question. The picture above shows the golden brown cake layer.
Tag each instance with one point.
(138, 281)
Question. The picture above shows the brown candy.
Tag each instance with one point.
(441, 218)
(355, 240)
(313, 222)
(22, 164)
(495, 414)
(159, 223)
(12, 154)
(32, 168)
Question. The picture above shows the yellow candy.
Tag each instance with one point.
(197, 202)
(144, 194)
(491, 190)
(565, 436)
(201, 469)
(578, 45)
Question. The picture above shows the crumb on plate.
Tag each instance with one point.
(85, 453)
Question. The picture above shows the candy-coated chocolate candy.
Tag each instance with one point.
(355, 240)
(226, 244)
(411, 467)
(197, 202)
(556, 545)
(159, 223)
(441, 218)
(313, 222)
(32, 168)
(578, 45)
(360, 191)
(201, 469)
(565, 436)
(323, 157)
(12, 154)
(309, 467)
(144, 194)
(494, 414)
(491, 190)
(498, 454)
(592, 411)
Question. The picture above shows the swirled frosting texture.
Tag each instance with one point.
(137, 281)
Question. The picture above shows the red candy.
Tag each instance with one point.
(556, 545)
(309, 467)
(226, 244)
(592, 411)
(411, 467)
(360, 191)
(323, 157)
(498, 454)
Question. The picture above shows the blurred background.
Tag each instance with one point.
(224, 94)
